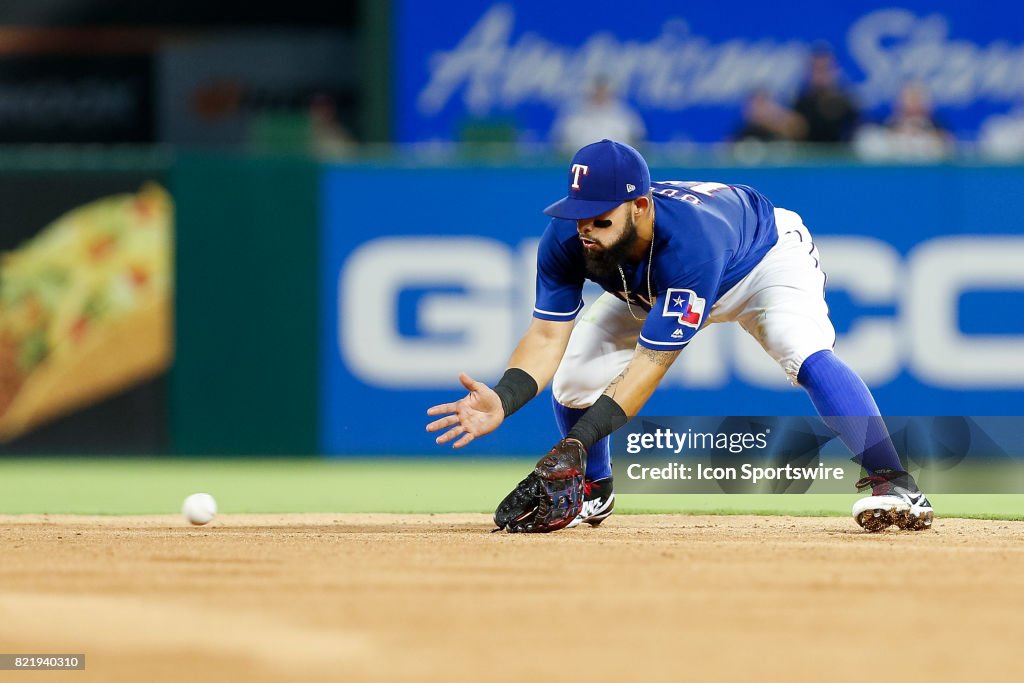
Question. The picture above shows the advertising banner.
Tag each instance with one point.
(67, 97)
(924, 278)
(86, 328)
(688, 70)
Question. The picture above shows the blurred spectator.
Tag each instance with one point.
(914, 117)
(1002, 135)
(314, 129)
(765, 120)
(601, 116)
(828, 111)
(911, 133)
(327, 136)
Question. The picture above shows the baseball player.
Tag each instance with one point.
(672, 257)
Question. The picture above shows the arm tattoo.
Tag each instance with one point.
(610, 390)
(663, 358)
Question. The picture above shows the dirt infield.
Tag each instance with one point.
(438, 598)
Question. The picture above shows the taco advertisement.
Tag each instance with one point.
(85, 308)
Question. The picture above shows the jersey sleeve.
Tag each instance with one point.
(559, 280)
(682, 308)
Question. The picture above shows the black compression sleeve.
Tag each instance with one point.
(600, 420)
(515, 388)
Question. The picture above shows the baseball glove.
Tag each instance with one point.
(550, 497)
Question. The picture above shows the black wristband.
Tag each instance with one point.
(515, 389)
(600, 420)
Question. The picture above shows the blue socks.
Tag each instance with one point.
(846, 406)
(599, 457)
(839, 395)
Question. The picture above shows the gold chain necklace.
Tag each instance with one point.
(650, 264)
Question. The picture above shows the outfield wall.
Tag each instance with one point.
(321, 308)
(246, 376)
(925, 266)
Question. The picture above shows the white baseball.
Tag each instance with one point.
(199, 508)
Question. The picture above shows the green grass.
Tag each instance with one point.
(124, 486)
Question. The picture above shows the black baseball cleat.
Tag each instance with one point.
(598, 502)
(895, 499)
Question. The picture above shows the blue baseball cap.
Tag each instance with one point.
(602, 176)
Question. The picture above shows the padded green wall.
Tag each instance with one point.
(245, 375)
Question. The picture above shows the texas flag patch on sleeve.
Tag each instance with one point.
(685, 305)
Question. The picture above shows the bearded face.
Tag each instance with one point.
(603, 259)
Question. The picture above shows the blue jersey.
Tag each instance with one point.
(707, 237)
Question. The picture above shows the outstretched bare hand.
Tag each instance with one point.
(479, 413)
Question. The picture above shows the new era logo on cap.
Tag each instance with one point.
(602, 176)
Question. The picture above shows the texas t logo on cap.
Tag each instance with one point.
(577, 169)
(615, 173)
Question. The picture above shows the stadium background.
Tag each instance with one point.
(357, 191)
(304, 307)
